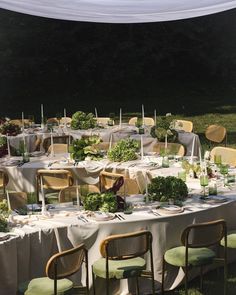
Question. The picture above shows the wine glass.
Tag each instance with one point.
(217, 159)
(224, 169)
(204, 183)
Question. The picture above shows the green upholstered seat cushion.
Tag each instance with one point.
(196, 256)
(119, 269)
(231, 240)
(23, 287)
(45, 286)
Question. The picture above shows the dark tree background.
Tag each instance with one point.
(186, 66)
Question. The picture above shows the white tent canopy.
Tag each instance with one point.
(118, 11)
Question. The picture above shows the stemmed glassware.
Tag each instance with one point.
(204, 183)
(224, 170)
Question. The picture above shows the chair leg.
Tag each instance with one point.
(163, 276)
(225, 277)
(93, 278)
(137, 286)
(107, 286)
(186, 281)
(201, 278)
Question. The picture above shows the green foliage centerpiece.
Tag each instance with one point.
(105, 202)
(4, 213)
(85, 147)
(164, 126)
(10, 129)
(124, 150)
(164, 188)
(81, 120)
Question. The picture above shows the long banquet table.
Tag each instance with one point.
(35, 238)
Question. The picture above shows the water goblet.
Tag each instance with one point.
(204, 183)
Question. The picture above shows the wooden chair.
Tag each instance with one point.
(19, 122)
(216, 134)
(65, 120)
(59, 267)
(185, 125)
(195, 252)
(66, 139)
(172, 148)
(53, 121)
(103, 120)
(55, 180)
(228, 155)
(69, 193)
(148, 121)
(4, 179)
(108, 179)
(18, 200)
(122, 258)
(58, 148)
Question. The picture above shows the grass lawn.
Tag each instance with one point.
(212, 284)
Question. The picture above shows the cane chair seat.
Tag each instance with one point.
(215, 133)
(58, 148)
(66, 139)
(53, 121)
(17, 200)
(65, 120)
(69, 193)
(104, 120)
(172, 148)
(148, 121)
(19, 122)
(55, 179)
(184, 125)
(196, 257)
(228, 155)
(231, 240)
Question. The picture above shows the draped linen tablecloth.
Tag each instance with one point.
(24, 256)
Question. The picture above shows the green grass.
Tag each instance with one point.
(212, 283)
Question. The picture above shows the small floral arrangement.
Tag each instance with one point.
(4, 213)
(10, 129)
(124, 150)
(81, 120)
(86, 147)
(165, 127)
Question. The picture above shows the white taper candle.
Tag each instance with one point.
(141, 147)
(120, 117)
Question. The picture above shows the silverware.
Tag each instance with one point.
(121, 217)
(117, 216)
(80, 218)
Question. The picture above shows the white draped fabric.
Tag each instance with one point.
(118, 11)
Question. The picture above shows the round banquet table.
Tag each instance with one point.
(35, 239)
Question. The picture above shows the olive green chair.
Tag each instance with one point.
(195, 252)
(122, 258)
(59, 267)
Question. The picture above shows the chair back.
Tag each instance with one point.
(54, 179)
(172, 148)
(4, 179)
(58, 148)
(19, 122)
(66, 263)
(69, 193)
(148, 121)
(215, 133)
(108, 179)
(17, 200)
(204, 234)
(66, 139)
(185, 125)
(228, 155)
(65, 120)
(126, 246)
(103, 120)
(52, 121)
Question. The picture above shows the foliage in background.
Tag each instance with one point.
(85, 147)
(124, 150)
(165, 188)
(3, 146)
(106, 202)
(81, 120)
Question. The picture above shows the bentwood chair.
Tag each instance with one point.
(66, 139)
(122, 257)
(59, 267)
(69, 193)
(55, 180)
(118, 183)
(65, 120)
(184, 125)
(228, 155)
(18, 200)
(19, 122)
(216, 134)
(104, 121)
(195, 252)
(148, 121)
(53, 121)
(172, 148)
(58, 148)
(4, 179)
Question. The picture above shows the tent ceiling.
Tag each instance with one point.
(118, 11)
